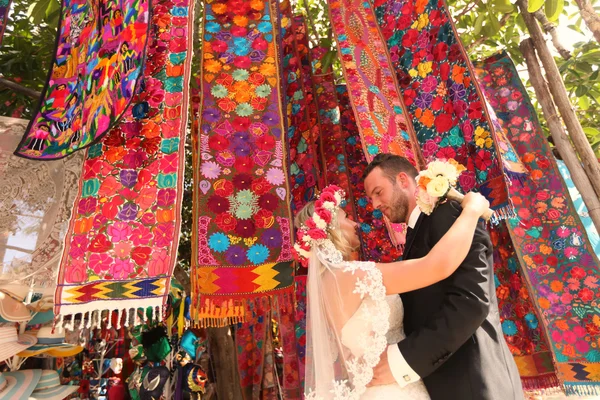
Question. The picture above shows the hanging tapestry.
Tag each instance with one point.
(372, 88)
(443, 101)
(520, 321)
(97, 64)
(312, 111)
(376, 244)
(4, 11)
(303, 153)
(300, 316)
(332, 145)
(581, 208)
(285, 317)
(35, 205)
(559, 264)
(121, 245)
(250, 342)
(242, 228)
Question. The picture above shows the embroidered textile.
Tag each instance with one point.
(375, 241)
(580, 206)
(371, 85)
(285, 316)
(443, 100)
(332, 143)
(121, 245)
(96, 68)
(35, 205)
(242, 229)
(559, 263)
(303, 151)
(300, 329)
(522, 330)
(250, 340)
(4, 11)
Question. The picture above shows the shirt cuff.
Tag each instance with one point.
(401, 371)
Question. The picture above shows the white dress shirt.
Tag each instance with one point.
(401, 371)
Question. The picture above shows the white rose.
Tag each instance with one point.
(328, 205)
(304, 253)
(338, 197)
(438, 187)
(442, 168)
(319, 222)
(425, 203)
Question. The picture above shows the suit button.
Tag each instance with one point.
(407, 378)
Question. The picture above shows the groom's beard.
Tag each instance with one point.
(399, 208)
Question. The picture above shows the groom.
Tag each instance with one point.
(454, 339)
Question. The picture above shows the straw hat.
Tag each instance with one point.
(18, 384)
(49, 387)
(11, 343)
(12, 310)
(51, 343)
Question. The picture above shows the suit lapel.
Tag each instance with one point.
(409, 243)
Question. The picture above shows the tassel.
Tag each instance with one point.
(109, 325)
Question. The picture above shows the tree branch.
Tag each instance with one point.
(591, 18)
(311, 23)
(550, 28)
(467, 9)
(20, 89)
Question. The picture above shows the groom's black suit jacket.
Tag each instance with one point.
(454, 337)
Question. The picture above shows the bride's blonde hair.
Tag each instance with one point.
(334, 232)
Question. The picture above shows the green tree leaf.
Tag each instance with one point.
(534, 5)
(554, 8)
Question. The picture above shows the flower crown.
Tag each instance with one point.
(314, 229)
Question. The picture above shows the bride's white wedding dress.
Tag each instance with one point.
(364, 320)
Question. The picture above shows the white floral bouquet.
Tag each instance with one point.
(437, 183)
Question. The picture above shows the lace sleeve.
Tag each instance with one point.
(361, 338)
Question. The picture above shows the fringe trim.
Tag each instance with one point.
(582, 389)
(542, 384)
(96, 319)
(503, 213)
(220, 311)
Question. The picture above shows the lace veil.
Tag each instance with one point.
(347, 323)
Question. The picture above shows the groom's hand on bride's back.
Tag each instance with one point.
(382, 374)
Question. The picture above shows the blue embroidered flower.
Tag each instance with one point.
(212, 27)
(351, 141)
(362, 202)
(169, 146)
(95, 150)
(140, 110)
(509, 328)
(265, 27)
(377, 213)
(257, 253)
(241, 46)
(218, 242)
(167, 180)
(179, 11)
(366, 228)
(177, 58)
(373, 149)
(496, 281)
(531, 321)
(90, 188)
(512, 265)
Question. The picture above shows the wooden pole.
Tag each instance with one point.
(559, 94)
(590, 17)
(561, 140)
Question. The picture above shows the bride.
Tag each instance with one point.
(353, 307)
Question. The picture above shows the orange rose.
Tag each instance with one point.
(165, 215)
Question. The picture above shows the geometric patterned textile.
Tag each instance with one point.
(300, 316)
(100, 51)
(242, 224)
(285, 316)
(121, 245)
(523, 332)
(35, 205)
(443, 101)
(4, 10)
(559, 263)
(582, 210)
(376, 244)
(372, 88)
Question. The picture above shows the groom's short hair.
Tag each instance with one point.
(391, 165)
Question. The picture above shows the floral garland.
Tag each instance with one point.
(314, 230)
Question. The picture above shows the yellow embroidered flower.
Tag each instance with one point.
(240, 20)
(424, 69)
(268, 69)
(423, 21)
(213, 66)
(413, 73)
(544, 249)
(482, 138)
